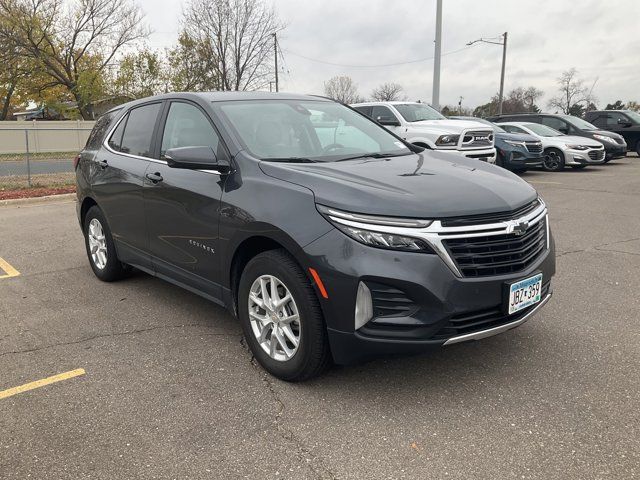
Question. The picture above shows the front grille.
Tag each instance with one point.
(390, 302)
(477, 138)
(490, 217)
(596, 154)
(482, 319)
(533, 147)
(498, 254)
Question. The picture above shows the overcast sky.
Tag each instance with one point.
(598, 37)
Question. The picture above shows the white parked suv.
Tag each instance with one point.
(560, 149)
(421, 125)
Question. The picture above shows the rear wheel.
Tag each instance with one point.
(553, 160)
(101, 250)
(281, 317)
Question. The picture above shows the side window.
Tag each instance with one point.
(556, 124)
(116, 136)
(364, 110)
(614, 119)
(382, 113)
(600, 120)
(100, 129)
(136, 138)
(187, 126)
(512, 129)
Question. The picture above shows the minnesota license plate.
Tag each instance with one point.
(525, 293)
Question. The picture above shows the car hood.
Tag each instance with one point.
(424, 185)
(451, 126)
(576, 140)
(516, 137)
(605, 133)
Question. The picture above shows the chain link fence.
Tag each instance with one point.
(36, 156)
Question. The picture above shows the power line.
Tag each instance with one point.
(374, 66)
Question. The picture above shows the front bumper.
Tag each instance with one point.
(614, 150)
(486, 155)
(428, 296)
(521, 159)
(581, 157)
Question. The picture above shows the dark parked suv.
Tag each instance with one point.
(614, 144)
(514, 151)
(325, 234)
(622, 122)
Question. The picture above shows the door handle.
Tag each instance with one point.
(103, 164)
(154, 177)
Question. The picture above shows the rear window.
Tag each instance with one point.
(100, 130)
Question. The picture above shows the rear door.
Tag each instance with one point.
(182, 206)
(117, 178)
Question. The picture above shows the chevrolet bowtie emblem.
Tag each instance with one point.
(517, 227)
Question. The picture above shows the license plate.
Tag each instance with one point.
(525, 293)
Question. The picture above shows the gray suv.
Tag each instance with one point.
(328, 237)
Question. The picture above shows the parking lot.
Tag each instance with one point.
(169, 390)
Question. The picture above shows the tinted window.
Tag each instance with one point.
(416, 112)
(614, 119)
(100, 129)
(116, 136)
(136, 139)
(364, 110)
(382, 113)
(187, 126)
(512, 129)
(555, 123)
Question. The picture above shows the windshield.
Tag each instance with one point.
(307, 130)
(635, 116)
(416, 112)
(495, 127)
(580, 123)
(543, 130)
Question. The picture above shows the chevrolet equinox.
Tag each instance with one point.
(327, 236)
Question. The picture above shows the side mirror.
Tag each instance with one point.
(388, 121)
(195, 158)
(624, 123)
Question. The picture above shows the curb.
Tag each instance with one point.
(17, 202)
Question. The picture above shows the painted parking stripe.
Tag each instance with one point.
(41, 383)
(9, 271)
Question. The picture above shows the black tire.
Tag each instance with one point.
(553, 160)
(638, 147)
(114, 269)
(518, 171)
(312, 356)
(578, 167)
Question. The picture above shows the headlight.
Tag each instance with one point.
(514, 143)
(603, 138)
(448, 140)
(377, 231)
(577, 147)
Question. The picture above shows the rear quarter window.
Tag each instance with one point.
(100, 129)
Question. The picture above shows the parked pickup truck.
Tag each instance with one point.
(421, 125)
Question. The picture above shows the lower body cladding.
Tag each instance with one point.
(418, 302)
(521, 161)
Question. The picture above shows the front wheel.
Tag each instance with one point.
(553, 160)
(281, 317)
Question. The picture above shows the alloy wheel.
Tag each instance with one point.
(97, 244)
(274, 318)
(552, 160)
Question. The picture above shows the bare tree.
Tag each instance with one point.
(342, 89)
(238, 34)
(74, 42)
(387, 92)
(530, 96)
(573, 94)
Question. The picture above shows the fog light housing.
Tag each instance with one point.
(364, 306)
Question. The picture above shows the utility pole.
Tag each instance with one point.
(460, 106)
(504, 61)
(275, 53)
(435, 97)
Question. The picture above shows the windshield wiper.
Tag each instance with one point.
(374, 155)
(289, 160)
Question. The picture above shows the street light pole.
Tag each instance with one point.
(435, 97)
(504, 61)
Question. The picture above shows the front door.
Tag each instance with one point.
(182, 205)
(380, 113)
(117, 177)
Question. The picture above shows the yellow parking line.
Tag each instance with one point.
(9, 270)
(41, 383)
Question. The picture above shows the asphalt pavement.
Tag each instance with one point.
(169, 389)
